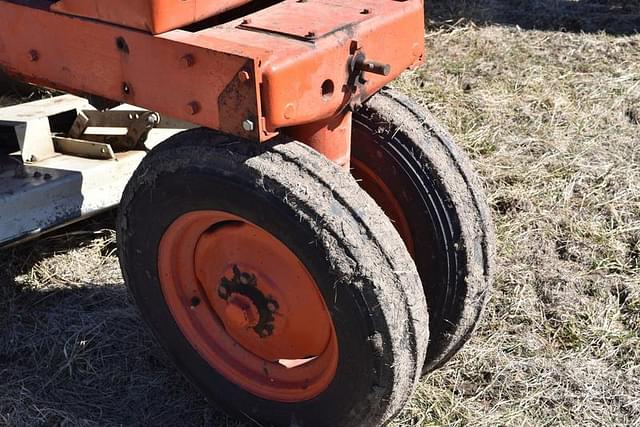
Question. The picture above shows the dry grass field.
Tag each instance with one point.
(545, 97)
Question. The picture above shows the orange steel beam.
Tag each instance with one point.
(291, 64)
(155, 16)
(330, 137)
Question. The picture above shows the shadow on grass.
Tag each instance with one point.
(615, 17)
(77, 353)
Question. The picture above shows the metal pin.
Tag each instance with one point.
(375, 67)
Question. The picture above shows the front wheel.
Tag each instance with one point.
(276, 284)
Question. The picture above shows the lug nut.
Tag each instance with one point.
(223, 292)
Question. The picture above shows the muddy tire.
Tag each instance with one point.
(214, 187)
(425, 184)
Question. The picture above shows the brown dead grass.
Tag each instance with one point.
(552, 121)
(73, 351)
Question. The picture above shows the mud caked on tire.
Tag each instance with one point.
(426, 185)
(229, 246)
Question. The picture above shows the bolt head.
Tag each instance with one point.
(289, 111)
(188, 60)
(193, 108)
(244, 76)
(248, 125)
(153, 119)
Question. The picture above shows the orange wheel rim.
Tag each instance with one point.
(248, 305)
(375, 186)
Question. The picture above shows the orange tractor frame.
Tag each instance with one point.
(295, 65)
(285, 289)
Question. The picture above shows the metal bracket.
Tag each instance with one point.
(100, 127)
(359, 65)
(83, 148)
(93, 134)
(30, 122)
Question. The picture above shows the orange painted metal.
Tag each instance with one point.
(154, 16)
(199, 255)
(307, 20)
(249, 80)
(294, 74)
(330, 137)
(182, 80)
(385, 198)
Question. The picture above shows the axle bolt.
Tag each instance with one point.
(375, 68)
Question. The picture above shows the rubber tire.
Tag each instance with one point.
(446, 209)
(362, 268)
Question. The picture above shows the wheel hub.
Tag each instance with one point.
(241, 312)
(245, 299)
(248, 305)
